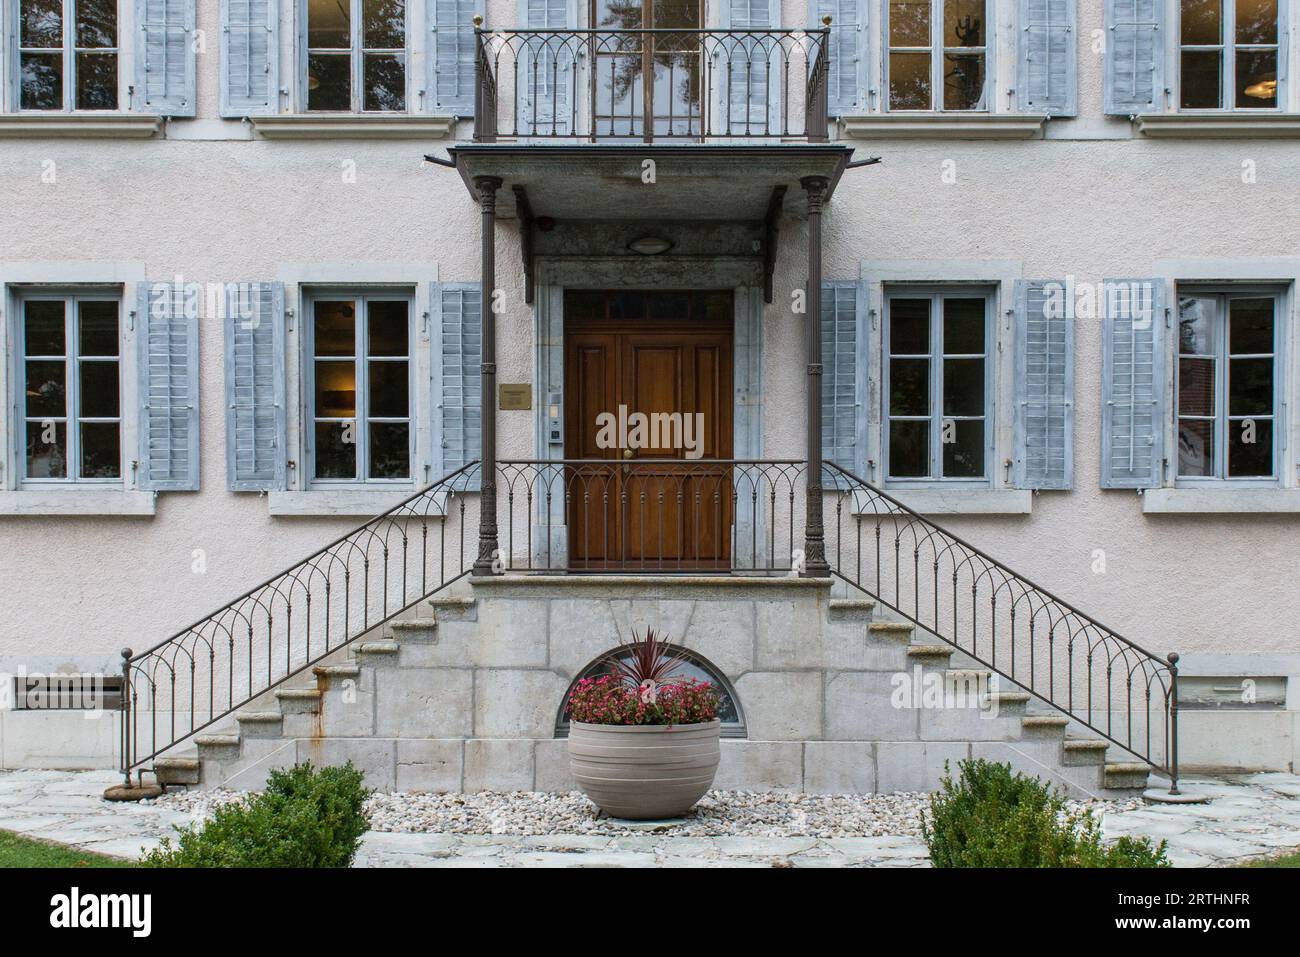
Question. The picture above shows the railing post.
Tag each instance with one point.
(1173, 723)
(480, 64)
(125, 707)
(487, 187)
(815, 565)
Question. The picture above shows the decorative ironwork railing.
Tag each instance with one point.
(651, 84)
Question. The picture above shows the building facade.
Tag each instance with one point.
(243, 312)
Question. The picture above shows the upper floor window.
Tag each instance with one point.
(359, 384)
(937, 55)
(1227, 384)
(67, 55)
(1228, 54)
(356, 56)
(936, 384)
(72, 405)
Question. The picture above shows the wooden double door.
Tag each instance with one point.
(648, 386)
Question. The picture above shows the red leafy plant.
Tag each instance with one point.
(642, 687)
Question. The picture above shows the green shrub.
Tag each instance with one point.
(305, 818)
(994, 818)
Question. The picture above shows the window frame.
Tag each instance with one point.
(68, 52)
(937, 49)
(357, 56)
(361, 358)
(1226, 293)
(1227, 70)
(936, 294)
(71, 357)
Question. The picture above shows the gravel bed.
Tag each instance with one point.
(719, 813)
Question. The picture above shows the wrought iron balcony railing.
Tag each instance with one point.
(651, 85)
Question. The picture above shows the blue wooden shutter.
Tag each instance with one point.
(164, 57)
(841, 422)
(546, 70)
(1046, 57)
(1135, 56)
(847, 78)
(451, 55)
(750, 72)
(460, 323)
(255, 388)
(1044, 412)
(250, 57)
(1133, 383)
(168, 339)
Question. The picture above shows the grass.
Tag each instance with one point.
(19, 851)
(1285, 860)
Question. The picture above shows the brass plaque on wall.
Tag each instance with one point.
(516, 395)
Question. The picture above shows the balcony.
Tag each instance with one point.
(668, 86)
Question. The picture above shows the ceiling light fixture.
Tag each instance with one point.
(650, 245)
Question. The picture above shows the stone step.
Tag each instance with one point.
(378, 652)
(1126, 775)
(1044, 726)
(170, 771)
(454, 608)
(1010, 702)
(891, 630)
(217, 747)
(326, 675)
(930, 654)
(415, 629)
(1084, 752)
(260, 724)
(851, 609)
(299, 700)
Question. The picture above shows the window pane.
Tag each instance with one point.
(1196, 325)
(329, 24)
(42, 23)
(963, 387)
(47, 450)
(963, 82)
(1195, 447)
(42, 81)
(909, 386)
(963, 326)
(1257, 21)
(385, 82)
(669, 305)
(909, 449)
(390, 450)
(97, 324)
(909, 327)
(47, 389)
(384, 24)
(1202, 23)
(1196, 387)
(99, 392)
(1250, 328)
(336, 450)
(1257, 78)
(336, 390)
(909, 23)
(389, 390)
(388, 328)
(43, 327)
(101, 450)
(909, 81)
(963, 23)
(1250, 448)
(1200, 80)
(96, 81)
(329, 82)
(96, 23)
(1250, 386)
(336, 329)
(963, 457)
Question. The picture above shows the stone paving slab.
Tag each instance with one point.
(1248, 816)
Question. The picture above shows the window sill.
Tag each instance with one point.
(99, 125)
(1220, 500)
(303, 126)
(1220, 125)
(353, 503)
(958, 501)
(955, 126)
(77, 501)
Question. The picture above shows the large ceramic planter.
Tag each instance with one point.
(643, 772)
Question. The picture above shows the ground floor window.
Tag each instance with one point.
(936, 383)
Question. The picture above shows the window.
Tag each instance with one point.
(356, 56)
(1228, 54)
(936, 385)
(67, 54)
(938, 50)
(360, 388)
(72, 402)
(1227, 384)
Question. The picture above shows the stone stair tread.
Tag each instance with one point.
(298, 693)
(891, 626)
(1085, 744)
(217, 740)
(451, 601)
(1127, 767)
(378, 648)
(341, 671)
(1044, 720)
(414, 624)
(1012, 696)
(259, 717)
(929, 651)
(180, 764)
